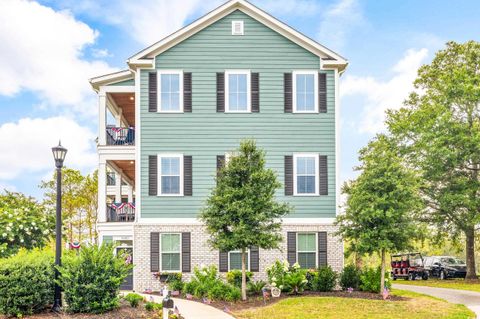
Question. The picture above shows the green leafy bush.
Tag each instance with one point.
(133, 299)
(91, 280)
(288, 279)
(325, 279)
(234, 277)
(26, 283)
(255, 287)
(295, 281)
(350, 277)
(370, 280)
(277, 272)
(174, 281)
(153, 306)
(205, 282)
(311, 276)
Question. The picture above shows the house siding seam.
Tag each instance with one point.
(205, 133)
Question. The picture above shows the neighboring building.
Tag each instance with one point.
(188, 100)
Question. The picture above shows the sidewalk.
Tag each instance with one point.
(194, 310)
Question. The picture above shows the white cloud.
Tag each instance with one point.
(28, 142)
(338, 21)
(382, 95)
(42, 52)
(101, 53)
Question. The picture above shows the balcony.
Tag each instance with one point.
(121, 212)
(120, 135)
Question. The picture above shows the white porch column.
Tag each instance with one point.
(118, 187)
(130, 193)
(118, 118)
(102, 118)
(102, 192)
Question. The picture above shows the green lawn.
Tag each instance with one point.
(417, 306)
(472, 285)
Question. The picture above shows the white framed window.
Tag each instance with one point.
(170, 175)
(305, 92)
(170, 91)
(307, 250)
(305, 170)
(170, 252)
(237, 91)
(237, 27)
(235, 260)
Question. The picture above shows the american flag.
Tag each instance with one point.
(386, 294)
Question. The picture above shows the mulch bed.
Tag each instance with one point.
(123, 312)
(257, 301)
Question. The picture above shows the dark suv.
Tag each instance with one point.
(445, 267)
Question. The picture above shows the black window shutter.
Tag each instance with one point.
(291, 247)
(254, 259)
(322, 92)
(186, 252)
(187, 176)
(187, 92)
(223, 262)
(287, 89)
(323, 175)
(322, 248)
(154, 252)
(255, 92)
(152, 92)
(152, 175)
(288, 175)
(220, 92)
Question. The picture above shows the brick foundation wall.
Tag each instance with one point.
(201, 254)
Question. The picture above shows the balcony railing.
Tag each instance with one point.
(121, 212)
(110, 178)
(120, 135)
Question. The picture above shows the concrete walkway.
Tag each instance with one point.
(194, 310)
(471, 299)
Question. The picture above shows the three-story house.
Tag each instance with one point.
(168, 121)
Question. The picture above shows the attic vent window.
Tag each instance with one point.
(237, 27)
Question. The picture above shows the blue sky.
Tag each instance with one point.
(51, 47)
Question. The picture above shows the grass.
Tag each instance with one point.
(461, 284)
(415, 306)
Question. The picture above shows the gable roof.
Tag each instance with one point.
(110, 78)
(329, 59)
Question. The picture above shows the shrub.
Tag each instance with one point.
(153, 306)
(233, 294)
(234, 277)
(350, 277)
(26, 283)
(295, 281)
(288, 279)
(370, 280)
(255, 287)
(174, 281)
(205, 282)
(133, 299)
(311, 276)
(277, 272)
(91, 280)
(325, 279)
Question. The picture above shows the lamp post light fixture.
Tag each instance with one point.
(59, 153)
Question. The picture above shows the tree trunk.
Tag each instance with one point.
(470, 253)
(382, 276)
(244, 275)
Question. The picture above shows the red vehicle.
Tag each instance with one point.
(408, 266)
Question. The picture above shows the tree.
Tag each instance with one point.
(380, 203)
(438, 131)
(24, 223)
(90, 193)
(242, 210)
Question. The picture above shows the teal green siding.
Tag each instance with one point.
(125, 83)
(204, 133)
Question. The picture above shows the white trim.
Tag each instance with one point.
(138, 195)
(117, 89)
(159, 90)
(239, 251)
(116, 152)
(159, 175)
(307, 251)
(170, 252)
(221, 12)
(317, 173)
(227, 90)
(111, 78)
(337, 144)
(195, 221)
(240, 23)
(315, 90)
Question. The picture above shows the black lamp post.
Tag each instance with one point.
(59, 153)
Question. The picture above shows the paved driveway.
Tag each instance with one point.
(471, 299)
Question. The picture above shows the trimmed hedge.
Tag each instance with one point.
(26, 283)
